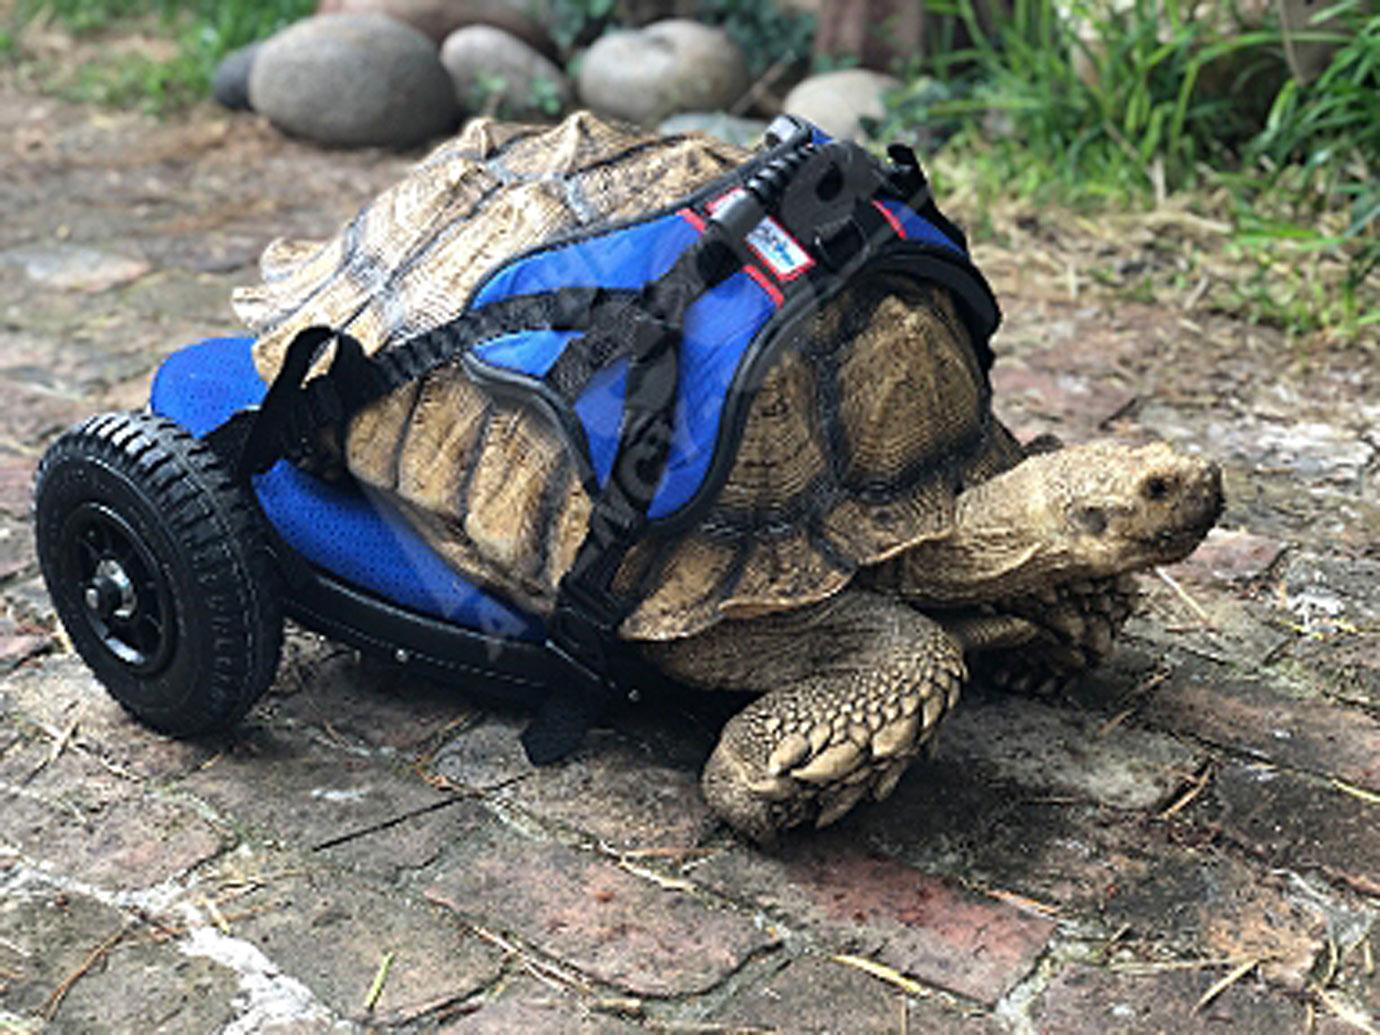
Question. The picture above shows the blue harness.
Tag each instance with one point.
(644, 343)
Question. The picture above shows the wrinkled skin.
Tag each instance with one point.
(1035, 568)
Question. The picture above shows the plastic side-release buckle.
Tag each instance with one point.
(579, 634)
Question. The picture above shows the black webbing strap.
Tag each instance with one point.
(583, 629)
(293, 416)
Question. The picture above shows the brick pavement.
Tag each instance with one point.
(1206, 807)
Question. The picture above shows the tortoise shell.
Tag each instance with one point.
(872, 417)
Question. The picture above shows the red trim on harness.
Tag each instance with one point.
(759, 277)
(693, 218)
(764, 282)
(890, 217)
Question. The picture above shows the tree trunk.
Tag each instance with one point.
(887, 35)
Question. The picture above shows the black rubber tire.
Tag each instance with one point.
(158, 567)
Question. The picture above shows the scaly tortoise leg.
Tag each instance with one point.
(1037, 644)
(853, 689)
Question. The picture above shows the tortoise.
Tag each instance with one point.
(873, 527)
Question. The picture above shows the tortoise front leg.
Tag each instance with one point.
(1038, 643)
(852, 689)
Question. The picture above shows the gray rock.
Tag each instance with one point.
(230, 84)
(673, 66)
(72, 267)
(837, 101)
(495, 73)
(439, 18)
(729, 128)
(354, 81)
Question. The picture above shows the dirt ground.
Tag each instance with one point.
(1189, 840)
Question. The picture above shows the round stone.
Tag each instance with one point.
(837, 102)
(439, 18)
(496, 73)
(647, 75)
(230, 84)
(354, 81)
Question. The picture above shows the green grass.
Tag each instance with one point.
(1156, 104)
(205, 31)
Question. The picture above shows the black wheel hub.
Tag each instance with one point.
(127, 601)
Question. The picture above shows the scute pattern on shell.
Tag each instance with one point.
(874, 413)
(409, 260)
(873, 417)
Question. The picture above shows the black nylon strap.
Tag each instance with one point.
(293, 415)
(583, 629)
(573, 369)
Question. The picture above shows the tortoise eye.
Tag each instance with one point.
(1157, 488)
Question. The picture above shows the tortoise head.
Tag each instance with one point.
(1124, 508)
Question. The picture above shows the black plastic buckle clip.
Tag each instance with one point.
(906, 177)
(583, 624)
(579, 632)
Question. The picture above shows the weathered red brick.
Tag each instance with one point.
(16, 648)
(131, 843)
(321, 685)
(642, 803)
(1230, 555)
(922, 925)
(29, 415)
(295, 792)
(1348, 665)
(16, 549)
(1296, 823)
(1088, 1001)
(1316, 735)
(591, 914)
(16, 483)
(1063, 752)
(332, 932)
(820, 994)
(143, 985)
(1071, 856)
(60, 690)
(1209, 904)
(1043, 393)
(525, 1005)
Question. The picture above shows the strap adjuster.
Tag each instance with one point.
(579, 634)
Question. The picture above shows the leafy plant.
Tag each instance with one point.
(205, 32)
(1320, 153)
(769, 33)
(575, 23)
(1115, 111)
(491, 94)
(1153, 101)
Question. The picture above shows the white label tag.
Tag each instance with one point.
(773, 244)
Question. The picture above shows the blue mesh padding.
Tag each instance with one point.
(917, 227)
(626, 258)
(336, 527)
(528, 352)
(718, 327)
